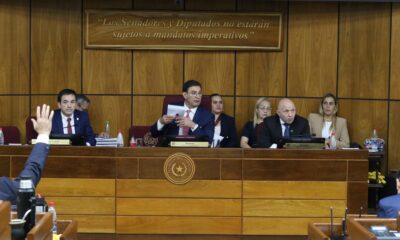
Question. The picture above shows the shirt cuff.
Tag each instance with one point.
(159, 125)
(42, 138)
(195, 127)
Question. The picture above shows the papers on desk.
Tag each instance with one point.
(106, 142)
(175, 110)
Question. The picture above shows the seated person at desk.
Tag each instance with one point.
(326, 122)
(389, 207)
(251, 129)
(82, 102)
(285, 123)
(224, 125)
(34, 165)
(197, 121)
(68, 120)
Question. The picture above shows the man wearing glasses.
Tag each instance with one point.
(196, 121)
(284, 124)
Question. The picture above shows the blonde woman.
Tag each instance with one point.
(325, 123)
(262, 110)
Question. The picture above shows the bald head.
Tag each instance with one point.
(286, 110)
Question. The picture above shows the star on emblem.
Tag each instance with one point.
(179, 169)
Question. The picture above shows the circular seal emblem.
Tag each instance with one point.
(179, 168)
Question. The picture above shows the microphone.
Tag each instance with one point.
(344, 222)
(332, 235)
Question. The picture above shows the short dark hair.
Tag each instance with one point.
(82, 98)
(66, 91)
(190, 83)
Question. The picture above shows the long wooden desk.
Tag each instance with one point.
(123, 192)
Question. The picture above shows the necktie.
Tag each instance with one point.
(69, 127)
(185, 130)
(286, 133)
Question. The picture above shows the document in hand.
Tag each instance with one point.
(175, 110)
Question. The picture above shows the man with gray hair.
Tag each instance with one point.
(82, 102)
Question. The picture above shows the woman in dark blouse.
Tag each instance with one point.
(249, 133)
(225, 129)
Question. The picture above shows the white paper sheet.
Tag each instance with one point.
(174, 110)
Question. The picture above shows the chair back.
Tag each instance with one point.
(5, 230)
(11, 134)
(30, 132)
(42, 229)
(144, 133)
(68, 229)
(205, 102)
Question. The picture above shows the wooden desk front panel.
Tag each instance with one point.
(233, 192)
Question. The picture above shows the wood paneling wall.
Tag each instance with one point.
(349, 49)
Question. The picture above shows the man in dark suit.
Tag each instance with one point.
(389, 207)
(34, 165)
(67, 120)
(284, 123)
(196, 121)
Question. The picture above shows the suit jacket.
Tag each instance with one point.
(389, 207)
(82, 125)
(228, 131)
(272, 130)
(33, 168)
(202, 117)
(342, 134)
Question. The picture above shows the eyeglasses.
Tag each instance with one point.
(265, 108)
(195, 94)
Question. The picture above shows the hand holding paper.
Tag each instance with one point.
(175, 111)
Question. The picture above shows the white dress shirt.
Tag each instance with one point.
(65, 123)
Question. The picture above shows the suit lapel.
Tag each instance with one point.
(77, 119)
(59, 122)
(278, 126)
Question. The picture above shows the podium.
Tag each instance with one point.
(322, 231)
(358, 228)
(42, 229)
(5, 230)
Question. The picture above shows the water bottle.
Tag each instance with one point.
(107, 130)
(1, 137)
(120, 139)
(52, 210)
(333, 142)
(25, 198)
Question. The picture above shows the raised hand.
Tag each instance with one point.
(43, 122)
